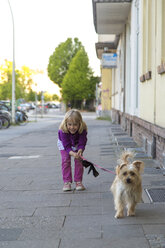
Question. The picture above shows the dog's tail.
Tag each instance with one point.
(125, 156)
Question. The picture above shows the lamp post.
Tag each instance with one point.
(13, 70)
(36, 102)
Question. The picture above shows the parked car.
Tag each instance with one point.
(52, 105)
(32, 105)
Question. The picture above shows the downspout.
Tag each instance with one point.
(124, 90)
(155, 67)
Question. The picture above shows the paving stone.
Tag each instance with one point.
(154, 229)
(91, 232)
(142, 155)
(68, 211)
(158, 183)
(106, 243)
(115, 231)
(42, 233)
(51, 243)
(10, 234)
(32, 222)
(12, 212)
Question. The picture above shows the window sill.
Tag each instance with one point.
(142, 78)
(161, 68)
(146, 76)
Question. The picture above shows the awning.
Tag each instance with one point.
(109, 47)
(110, 16)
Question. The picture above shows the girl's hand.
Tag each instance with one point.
(80, 152)
(74, 154)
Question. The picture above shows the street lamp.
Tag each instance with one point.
(36, 102)
(13, 70)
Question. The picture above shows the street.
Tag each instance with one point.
(34, 212)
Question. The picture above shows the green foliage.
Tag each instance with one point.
(104, 118)
(78, 84)
(6, 82)
(47, 97)
(55, 97)
(26, 77)
(30, 97)
(23, 82)
(69, 68)
(39, 96)
(61, 58)
(76, 79)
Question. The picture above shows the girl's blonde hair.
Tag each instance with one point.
(74, 115)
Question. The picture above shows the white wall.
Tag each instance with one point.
(126, 77)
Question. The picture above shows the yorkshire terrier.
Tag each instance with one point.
(127, 185)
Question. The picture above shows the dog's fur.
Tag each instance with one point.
(127, 185)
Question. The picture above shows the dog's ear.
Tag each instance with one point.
(126, 155)
(122, 165)
(139, 165)
(119, 167)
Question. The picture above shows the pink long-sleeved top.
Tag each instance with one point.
(70, 141)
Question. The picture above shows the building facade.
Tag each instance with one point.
(138, 82)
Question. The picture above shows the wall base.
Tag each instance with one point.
(151, 137)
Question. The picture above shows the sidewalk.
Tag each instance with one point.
(35, 213)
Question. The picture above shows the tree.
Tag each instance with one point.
(26, 77)
(61, 58)
(6, 83)
(31, 96)
(76, 85)
(47, 97)
(23, 81)
(55, 97)
(90, 101)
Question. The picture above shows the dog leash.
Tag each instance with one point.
(98, 166)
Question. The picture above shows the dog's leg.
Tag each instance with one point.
(119, 207)
(131, 209)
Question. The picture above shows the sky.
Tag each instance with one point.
(41, 25)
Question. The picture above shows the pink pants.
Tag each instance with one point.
(67, 169)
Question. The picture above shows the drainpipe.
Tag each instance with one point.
(124, 90)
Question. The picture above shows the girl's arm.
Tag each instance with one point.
(82, 140)
(64, 137)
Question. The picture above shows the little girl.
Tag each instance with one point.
(72, 139)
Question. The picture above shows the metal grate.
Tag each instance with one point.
(156, 194)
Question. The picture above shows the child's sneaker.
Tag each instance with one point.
(67, 187)
(79, 186)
